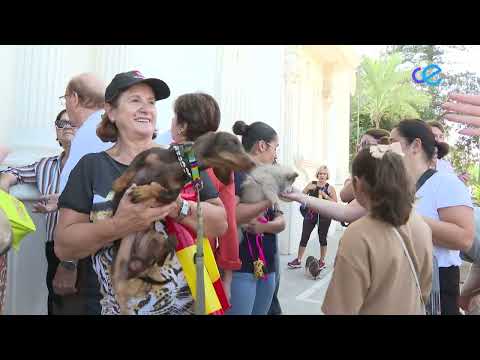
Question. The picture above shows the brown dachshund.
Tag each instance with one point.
(159, 177)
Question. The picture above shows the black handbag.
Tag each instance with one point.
(303, 210)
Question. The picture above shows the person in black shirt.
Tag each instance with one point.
(87, 226)
(256, 282)
(323, 190)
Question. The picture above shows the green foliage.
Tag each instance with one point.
(474, 172)
(385, 94)
(385, 91)
(380, 107)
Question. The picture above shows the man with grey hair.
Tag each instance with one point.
(84, 101)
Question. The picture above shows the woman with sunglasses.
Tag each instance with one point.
(370, 137)
(45, 174)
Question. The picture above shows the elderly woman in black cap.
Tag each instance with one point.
(86, 225)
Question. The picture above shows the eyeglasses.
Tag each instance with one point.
(62, 124)
(63, 99)
(275, 148)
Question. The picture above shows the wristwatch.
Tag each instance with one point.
(184, 210)
(69, 264)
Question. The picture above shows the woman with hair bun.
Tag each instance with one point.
(255, 284)
(444, 202)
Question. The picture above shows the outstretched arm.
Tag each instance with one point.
(333, 210)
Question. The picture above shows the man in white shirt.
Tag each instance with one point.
(84, 101)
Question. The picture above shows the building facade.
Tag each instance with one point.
(301, 91)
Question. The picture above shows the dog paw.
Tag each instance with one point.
(140, 193)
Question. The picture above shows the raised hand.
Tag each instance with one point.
(464, 109)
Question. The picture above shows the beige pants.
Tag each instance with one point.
(470, 293)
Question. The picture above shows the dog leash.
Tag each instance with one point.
(193, 172)
(259, 265)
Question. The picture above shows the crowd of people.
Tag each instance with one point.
(407, 214)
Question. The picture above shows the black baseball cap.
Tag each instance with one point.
(124, 80)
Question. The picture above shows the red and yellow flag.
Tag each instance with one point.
(216, 302)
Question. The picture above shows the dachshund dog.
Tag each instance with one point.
(158, 177)
(312, 267)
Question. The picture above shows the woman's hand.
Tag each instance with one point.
(464, 177)
(138, 217)
(294, 195)
(64, 281)
(254, 227)
(466, 110)
(4, 151)
(48, 204)
(324, 195)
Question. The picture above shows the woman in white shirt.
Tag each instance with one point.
(443, 164)
(443, 201)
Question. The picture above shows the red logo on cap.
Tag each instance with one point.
(137, 74)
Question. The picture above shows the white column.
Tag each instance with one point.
(111, 60)
(232, 85)
(40, 80)
(290, 143)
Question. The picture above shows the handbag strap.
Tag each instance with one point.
(425, 176)
(412, 268)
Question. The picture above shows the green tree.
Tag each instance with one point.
(384, 91)
(423, 55)
(465, 152)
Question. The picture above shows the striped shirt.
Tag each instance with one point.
(45, 175)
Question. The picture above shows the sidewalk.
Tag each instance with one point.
(299, 294)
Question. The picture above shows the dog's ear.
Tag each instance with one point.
(204, 144)
(223, 174)
(291, 177)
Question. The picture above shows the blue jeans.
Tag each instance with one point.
(249, 295)
(275, 308)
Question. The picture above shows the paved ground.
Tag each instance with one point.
(301, 295)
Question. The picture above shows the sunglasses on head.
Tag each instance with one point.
(61, 124)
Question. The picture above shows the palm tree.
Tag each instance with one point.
(385, 91)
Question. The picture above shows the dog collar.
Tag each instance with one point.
(190, 167)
